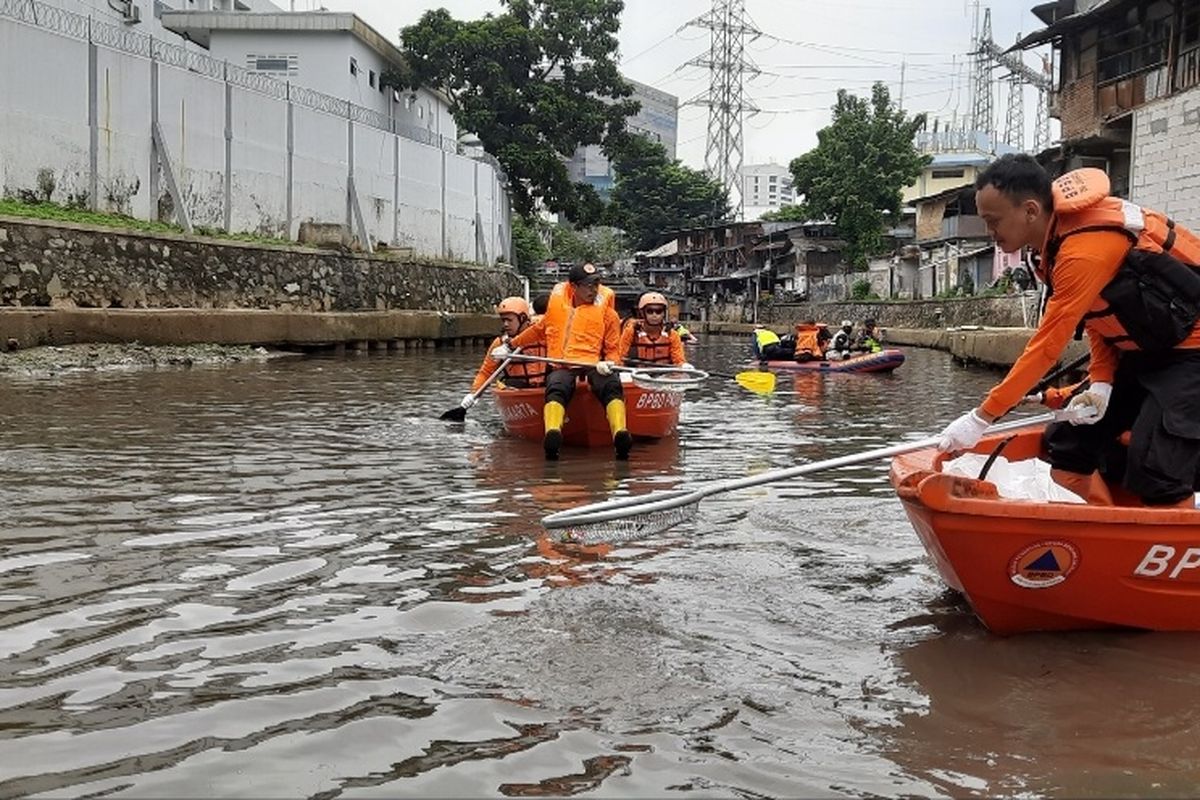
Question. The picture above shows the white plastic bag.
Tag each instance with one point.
(1017, 480)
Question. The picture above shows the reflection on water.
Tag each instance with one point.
(292, 579)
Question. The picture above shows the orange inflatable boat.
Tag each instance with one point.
(1027, 565)
(650, 414)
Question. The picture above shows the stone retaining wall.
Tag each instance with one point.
(62, 265)
(1004, 311)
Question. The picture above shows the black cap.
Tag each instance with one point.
(584, 273)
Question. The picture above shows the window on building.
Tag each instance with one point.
(353, 65)
(273, 64)
(1133, 42)
(948, 173)
(774, 179)
(371, 78)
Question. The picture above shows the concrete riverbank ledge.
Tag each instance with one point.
(30, 327)
(992, 347)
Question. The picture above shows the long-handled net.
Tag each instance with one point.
(633, 518)
(670, 379)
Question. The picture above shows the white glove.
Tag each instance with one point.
(1036, 397)
(963, 433)
(1095, 397)
(686, 366)
(500, 353)
(469, 399)
(605, 368)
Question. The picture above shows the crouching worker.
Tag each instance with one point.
(767, 345)
(579, 325)
(514, 318)
(811, 340)
(1128, 277)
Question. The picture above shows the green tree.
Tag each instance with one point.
(528, 250)
(863, 160)
(534, 83)
(654, 195)
(790, 213)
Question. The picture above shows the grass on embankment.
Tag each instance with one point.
(54, 212)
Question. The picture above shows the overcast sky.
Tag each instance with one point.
(809, 49)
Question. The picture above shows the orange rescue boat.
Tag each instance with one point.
(1028, 565)
(650, 414)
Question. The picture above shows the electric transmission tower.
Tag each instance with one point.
(983, 112)
(1020, 74)
(725, 98)
(1014, 118)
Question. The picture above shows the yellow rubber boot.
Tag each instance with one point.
(622, 441)
(552, 418)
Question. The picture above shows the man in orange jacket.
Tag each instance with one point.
(1122, 273)
(514, 318)
(579, 325)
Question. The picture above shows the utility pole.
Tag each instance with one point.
(1014, 118)
(900, 103)
(728, 65)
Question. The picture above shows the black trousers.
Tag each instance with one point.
(560, 385)
(1156, 397)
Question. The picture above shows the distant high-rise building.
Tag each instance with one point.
(766, 187)
(658, 119)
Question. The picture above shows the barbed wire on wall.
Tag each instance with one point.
(256, 82)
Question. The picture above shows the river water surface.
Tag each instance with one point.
(292, 580)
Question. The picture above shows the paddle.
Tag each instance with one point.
(1050, 378)
(458, 413)
(752, 380)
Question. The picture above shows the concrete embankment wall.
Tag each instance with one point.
(62, 283)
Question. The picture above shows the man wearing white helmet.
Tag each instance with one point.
(646, 339)
(843, 340)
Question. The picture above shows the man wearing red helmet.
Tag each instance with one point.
(514, 318)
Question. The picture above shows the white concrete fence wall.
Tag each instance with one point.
(1166, 157)
(79, 97)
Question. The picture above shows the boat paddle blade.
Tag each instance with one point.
(456, 414)
(757, 382)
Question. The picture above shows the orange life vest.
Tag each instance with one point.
(576, 333)
(1153, 302)
(524, 374)
(808, 340)
(653, 351)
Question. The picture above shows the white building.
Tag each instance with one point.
(145, 16)
(658, 120)
(242, 118)
(766, 187)
(334, 53)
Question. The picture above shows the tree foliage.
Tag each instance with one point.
(534, 83)
(788, 213)
(855, 175)
(528, 250)
(654, 194)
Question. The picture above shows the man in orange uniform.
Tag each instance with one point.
(514, 318)
(1122, 274)
(647, 340)
(579, 325)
